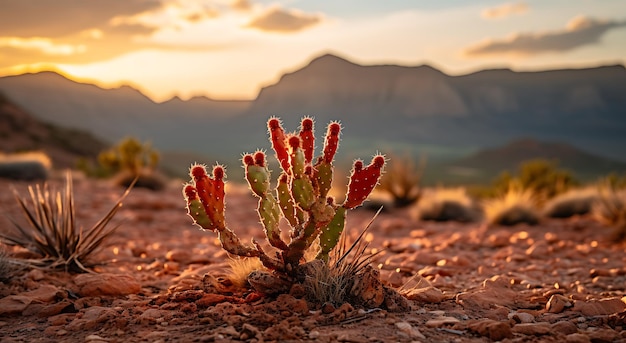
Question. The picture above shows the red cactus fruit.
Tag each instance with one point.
(332, 141)
(294, 142)
(308, 139)
(259, 158)
(218, 173)
(248, 160)
(277, 137)
(190, 192)
(198, 171)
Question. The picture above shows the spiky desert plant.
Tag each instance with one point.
(402, 181)
(446, 204)
(300, 197)
(333, 282)
(7, 268)
(610, 209)
(52, 233)
(517, 205)
(577, 201)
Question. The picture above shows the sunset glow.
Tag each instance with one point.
(227, 49)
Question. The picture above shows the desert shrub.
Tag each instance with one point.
(610, 209)
(27, 166)
(518, 205)
(447, 204)
(577, 201)
(541, 177)
(131, 159)
(51, 233)
(402, 181)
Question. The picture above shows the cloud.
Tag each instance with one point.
(579, 32)
(59, 18)
(277, 19)
(42, 45)
(505, 10)
(241, 5)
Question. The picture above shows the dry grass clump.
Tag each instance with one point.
(52, 234)
(8, 268)
(332, 282)
(577, 201)
(240, 268)
(447, 204)
(402, 181)
(610, 209)
(144, 178)
(516, 206)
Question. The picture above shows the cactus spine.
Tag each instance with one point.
(300, 196)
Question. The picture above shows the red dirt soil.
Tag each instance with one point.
(161, 279)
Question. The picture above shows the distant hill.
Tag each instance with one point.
(484, 165)
(19, 132)
(390, 108)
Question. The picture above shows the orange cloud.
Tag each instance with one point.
(277, 19)
(505, 10)
(580, 31)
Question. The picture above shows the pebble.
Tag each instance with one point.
(495, 330)
(565, 327)
(522, 317)
(599, 307)
(410, 330)
(92, 285)
(557, 303)
(537, 329)
(577, 338)
(441, 321)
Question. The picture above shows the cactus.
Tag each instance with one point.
(300, 196)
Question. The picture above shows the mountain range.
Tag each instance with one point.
(417, 110)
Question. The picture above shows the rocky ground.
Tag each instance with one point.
(160, 279)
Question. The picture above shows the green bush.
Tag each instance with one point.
(542, 177)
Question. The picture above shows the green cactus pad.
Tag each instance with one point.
(269, 212)
(330, 234)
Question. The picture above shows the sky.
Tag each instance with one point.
(230, 49)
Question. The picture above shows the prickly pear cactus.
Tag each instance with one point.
(300, 196)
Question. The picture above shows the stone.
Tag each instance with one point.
(410, 330)
(557, 303)
(495, 330)
(565, 327)
(14, 304)
(577, 338)
(93, 285)
(536, 329)
(522, 317)
(599, 307)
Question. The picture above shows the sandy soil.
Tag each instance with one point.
(162, 280)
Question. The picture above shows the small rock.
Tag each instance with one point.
(495, 330)
(430, 294)
(577, 338)
(92, 285)
(522, 317)
(603, 336)
(410, 330)
(441, 321)
(557, 303)
(533, 328)
(599, 307)
(179, 255)
(565, 327)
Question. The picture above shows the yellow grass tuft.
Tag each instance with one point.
(240, 268)
(447, 204)
(516, 206)
(610, 209)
